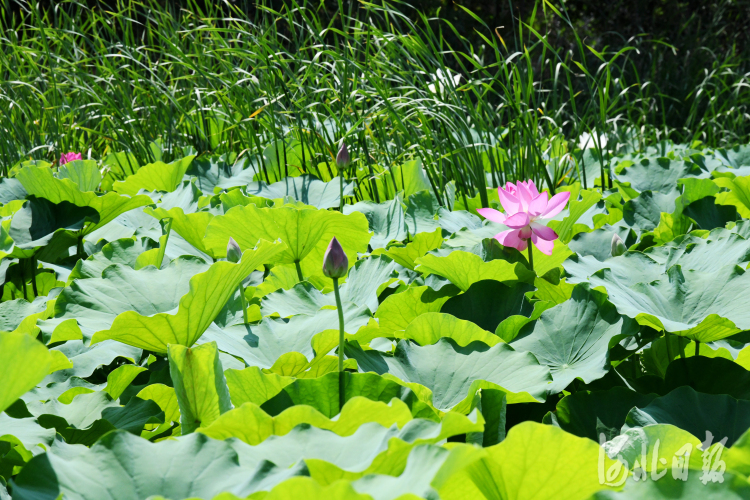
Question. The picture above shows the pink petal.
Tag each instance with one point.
(510, 238)
(543, 231)
(511, 188)
(544, 246)
(524, 195)
(556, 204)
(538, 204)
(532, 188)
(492, 214)
(509, 202)
(525, 233)
(517, 220)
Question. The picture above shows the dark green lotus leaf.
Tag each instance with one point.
(588, 414)
(87, 359)
(305, 188)
(572, 339)
(452, 372)
(709, 375)
(703, 306)
(211, 172)
(487, 303)
(36, 223)
(708, 215)
(659, 174)
(696, 413)
(134, 415)
(121, 465)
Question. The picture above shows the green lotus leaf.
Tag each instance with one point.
(464, 269)
(305, 188)
(194, 466)
(83, 173)
(199, 382)
(572, 339)
(386, 220)
(40, 182)
(209, 292)
(120, 378)
(86, 359)
(39, 221)
(24, 431)
(306, 233)
(666, 441)
(418, 247)
(738, 194)
(588, 414)
(538, 462)
(81, 421)
(567, 228)
(658, 174)
(695, 413)
(310, 489)
(703, 306)
(190, 226)
(488, 303)
(14, 312)
(157, 176)
(398, 310)
(709, 375)
(165, 397)
(24, 362)
(423, 214)
(122, 251)
(454, 373)
(430, 327)
(732, 487)
(134, 415)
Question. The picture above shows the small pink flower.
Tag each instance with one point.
(68, 157)
(525, 208)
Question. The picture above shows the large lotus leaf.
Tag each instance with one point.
(122, 251)
(211, 172)
(567, 228)
(738, 194)
(79, 421)
(538, 462)
(430, 327)
(423, 214)
(708, 375)
(24, 362)
(696, 413)
(91, 305)
(121, 465)
(40, 182)
(703, 306)
(36, 223)
(732, 487)
(322, 393)
(588, 414)
(157, 176)
(420, 245)
(708, 215)
(253, 385)
(464, 269)
(716, 250)
(86, 359)
(199, 383)
(209, 292)
(366, 279)
(84, 173)
(573, 338)
(310, 489)
(263, 344)
(598, 243)
(25, 431)
(303, 298)
(11, 189)
(488, 303)
(306, 232)
(644, 212)
(400, 309)
(385, 220)
(305, 188)
(658, 174)
(738, 456)
(13, 312)
(190, 226)
(454, 373)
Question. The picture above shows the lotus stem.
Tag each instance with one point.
(531, 258)
(33, 276)
(341, 184)
(669, 345)
(340, 309)
(299, 270)
(244, 303)
(163, 248)
(697, 348)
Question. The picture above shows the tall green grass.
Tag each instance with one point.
(159, 82)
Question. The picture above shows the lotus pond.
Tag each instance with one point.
(581, 343)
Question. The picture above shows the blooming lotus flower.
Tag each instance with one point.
(335, 261)
(525, 209)
(68, 157)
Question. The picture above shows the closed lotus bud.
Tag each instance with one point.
(233, 251)
(335, 262)
(342, 159)
(618, 247)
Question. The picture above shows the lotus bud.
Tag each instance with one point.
(233, 251)
(68, 157)
(335, 262)
(343, 159)
(618, 247)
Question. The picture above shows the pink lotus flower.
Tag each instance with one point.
(525, 208)
(68, 157)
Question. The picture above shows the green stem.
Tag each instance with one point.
(341, 183)
(244, 303)
(163, 247)
(531, 258)
(697, 348)
(339, 308)
(682, 347)
(669, 345)
(299, 271)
